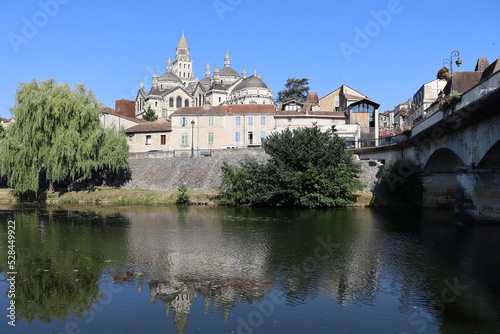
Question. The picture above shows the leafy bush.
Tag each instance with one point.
(183, 196)
(307, 168)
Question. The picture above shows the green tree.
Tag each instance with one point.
(182, 196)
(307, 167)
(57, 134)
(295, 89)
(149, 115)
(2, 131)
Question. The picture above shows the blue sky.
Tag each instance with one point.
(384, 49)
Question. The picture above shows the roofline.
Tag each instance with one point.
(223, 113)
(330, 93)
(357, 91)
(147, 131)
(132, 119)
(310, 115)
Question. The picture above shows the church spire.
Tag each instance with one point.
(155, 79)
(244, 73)
(216, 73)
(207, 70)
(183, 44)
(169, 65)
(227, 60)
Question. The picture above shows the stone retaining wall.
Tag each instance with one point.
(161, 171)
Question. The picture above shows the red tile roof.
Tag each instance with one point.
(303, 113)
(312, 98)
(150, 127)
(229, 109)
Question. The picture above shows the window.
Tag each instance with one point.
(262, 135)
(220, 99)
(363, 107)
(237, 137)
(184, 139)
(178, 102)
(250, 137)
(183, 122)
(262, 120)
(210, 138)
(250, 120)
(148, 139)
(186, 103)
(156, 104)
(163, 140)
(171, 102)
(237, 121)
(211, 121)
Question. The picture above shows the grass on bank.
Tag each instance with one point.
(104, 195)
(108, 195)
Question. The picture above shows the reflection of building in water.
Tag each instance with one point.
(177, 294)
(189, 253)
(359, 277)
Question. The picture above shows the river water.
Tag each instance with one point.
(225, 270)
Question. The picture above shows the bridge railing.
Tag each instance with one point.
(381, 141)
(484, 88)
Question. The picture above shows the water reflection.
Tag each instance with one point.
(208, 268)
(60, 258)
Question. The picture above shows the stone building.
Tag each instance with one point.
(340, 99)
(220, 127)
(179, 87)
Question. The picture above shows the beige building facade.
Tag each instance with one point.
(150, 136)
(221, 127)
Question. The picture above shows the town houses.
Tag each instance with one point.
(227, 109)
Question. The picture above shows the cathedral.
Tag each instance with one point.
(179, 87)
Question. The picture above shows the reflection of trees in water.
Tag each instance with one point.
(220, 293)
(60, 258)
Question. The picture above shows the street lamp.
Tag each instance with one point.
(450, 63)
(192, 138)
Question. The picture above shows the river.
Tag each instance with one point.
(158, 269)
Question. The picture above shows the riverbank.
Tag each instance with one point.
(105, 195)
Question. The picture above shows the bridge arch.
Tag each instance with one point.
(439, 178)
(491, 160)
(443, 160)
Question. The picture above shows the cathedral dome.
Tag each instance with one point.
(250, 82)
(227, 71)
(169, 76)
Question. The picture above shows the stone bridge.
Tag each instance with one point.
(458, 151)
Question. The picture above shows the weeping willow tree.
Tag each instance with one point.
(57, 134)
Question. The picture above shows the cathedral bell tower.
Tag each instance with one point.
(183, 65)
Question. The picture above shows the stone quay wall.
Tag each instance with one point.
(163, 171)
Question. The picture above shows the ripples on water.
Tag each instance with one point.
(217, 270)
